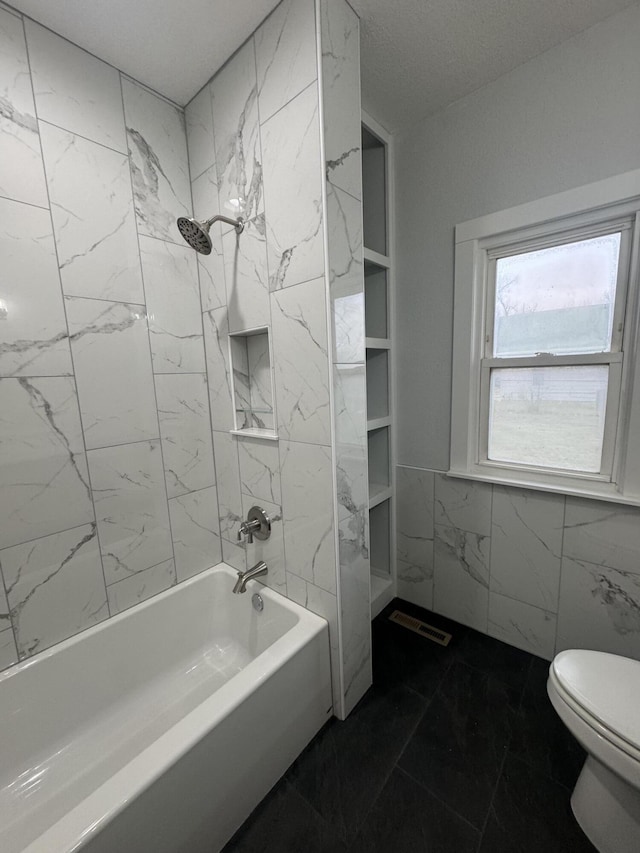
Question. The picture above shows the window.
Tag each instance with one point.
(545, 341)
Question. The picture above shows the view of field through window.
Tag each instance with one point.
(558, 300)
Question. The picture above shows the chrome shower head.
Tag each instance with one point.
(197, 233)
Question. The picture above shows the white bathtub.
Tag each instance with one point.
(162, 728)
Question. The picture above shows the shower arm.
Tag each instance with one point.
(238, 223)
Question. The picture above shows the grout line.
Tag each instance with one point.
(44, 536)
(108, 301)
(498, 780)
(19, 201)
(292, 98)
(123, 154)
(78, 406)
(440, 800)
(564, 519)
(144, 294)
(140, 571)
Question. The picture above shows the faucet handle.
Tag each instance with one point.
(258, 524)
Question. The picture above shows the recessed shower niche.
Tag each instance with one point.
(252, 379)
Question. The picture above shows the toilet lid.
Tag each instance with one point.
(606, 686)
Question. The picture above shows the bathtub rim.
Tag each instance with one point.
(89, 815)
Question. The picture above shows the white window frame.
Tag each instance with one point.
(602, 207)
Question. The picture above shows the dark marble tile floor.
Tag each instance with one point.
(453, 750)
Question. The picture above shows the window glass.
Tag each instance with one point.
(557, 300)
(551, 417)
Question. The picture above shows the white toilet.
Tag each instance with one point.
(597, 697)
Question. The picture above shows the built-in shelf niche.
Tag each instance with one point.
(380, 543)
(376, 301)
(378, 283)
(379, 461)
(252, 379)
(377, 384)
(374, 192)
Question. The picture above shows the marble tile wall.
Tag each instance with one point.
(122, 477)
(254, 138)
(540, 571)
(107, 480)
(340, 64)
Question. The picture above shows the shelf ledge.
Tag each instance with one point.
(378, 423)
(377, 343)
(255, 433)
(381, 593)
(376, 258)
(379, 494)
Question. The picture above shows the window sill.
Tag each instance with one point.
(606, 492)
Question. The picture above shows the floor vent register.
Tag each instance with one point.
(428, 631)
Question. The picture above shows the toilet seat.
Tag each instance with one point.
(604, 691)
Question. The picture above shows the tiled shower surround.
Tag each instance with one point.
(540, 571)
(119, 474)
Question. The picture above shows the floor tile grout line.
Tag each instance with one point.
(439, 799)
(493, 796)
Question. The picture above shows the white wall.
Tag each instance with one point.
(536, 570)
(566, 118)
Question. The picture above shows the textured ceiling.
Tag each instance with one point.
(417, 55)
(174, 46)
(420, 55)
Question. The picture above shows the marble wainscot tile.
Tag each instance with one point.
(463, 503)
(356, 637)
(110, 346)
(414, 488)
(33, 340)
(74, 89)
(213, 292)
(44, 482)
(526, 544)
(237, 135)
(21, 171)
(132, 590)
(349, 383)
(300, 355)
(195, 528)
(307, 506)
(183, 410)
(131, 508)
(351, 464)
(599, 609)
(216, 342)
(522, 625)
(324, 604)
(415, 582)
(346, 276)
(341, 84)
(157, 142)
(260, 469)
(270, 550)
(93, 219)
(199, 119)
(55, 587)
(173, 304)
(293, 181)
(8, 651)
(285, 55)
(603, 533)
(228, 483)
(246, 275)
(461, 576)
